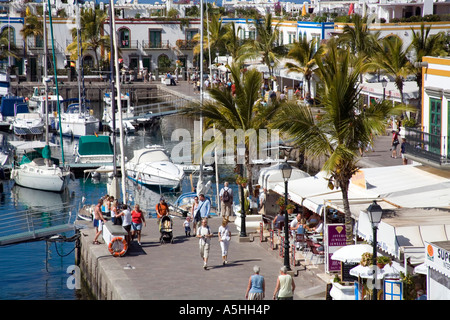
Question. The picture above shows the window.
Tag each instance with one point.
(291, 36)
(435, 125)
(190, 34)
(124, 38)
(155, 38)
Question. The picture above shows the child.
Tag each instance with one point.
(187, 226)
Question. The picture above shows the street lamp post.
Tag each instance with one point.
(272, 64)
(384, 84)
(286, 171)
(375, 212)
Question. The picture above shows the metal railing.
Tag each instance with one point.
(186, 44)
(427, 146)
(155, 45)
(34, 223)
(129, 44)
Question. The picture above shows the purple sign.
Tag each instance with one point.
(335, 239)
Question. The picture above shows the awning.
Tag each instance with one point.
(375, 89)
(313, 193)
(270, 176)
(413, 186)
(406, 231)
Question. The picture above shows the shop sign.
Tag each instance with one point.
(437, 258)
(335, 240)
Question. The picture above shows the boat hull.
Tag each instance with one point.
(152, 175)
(41, 178)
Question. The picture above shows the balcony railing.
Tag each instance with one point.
(129, 44)
(426, 147)
(155, 45)
(186, 44)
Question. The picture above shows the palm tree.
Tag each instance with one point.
(359, 38)
(304, 53)
(362, 42)
(234, 45)
(241, 111)
(33, 26)
(266, 42)
(343, 129)
(425, 44)
(8, 49)
(214, 36)
(92, 37)
(392, 58)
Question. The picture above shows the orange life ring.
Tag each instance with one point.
(117, 253)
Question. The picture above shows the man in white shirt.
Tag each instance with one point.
(204, 234)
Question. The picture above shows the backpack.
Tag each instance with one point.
(225, 196)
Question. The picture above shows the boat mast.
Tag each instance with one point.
(201, 89)
(56, 80)
(119, 102)
(44, 8)
(113, 94)
(78, 20)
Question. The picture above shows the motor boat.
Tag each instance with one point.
(78, 121)
(36, 103)
(37, 170)
(27, 123)
(94, 149)
(127, 113)
(152, 166)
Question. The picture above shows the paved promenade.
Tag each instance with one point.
(175, 271)
(157, 271)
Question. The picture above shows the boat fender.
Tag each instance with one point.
(113, 248)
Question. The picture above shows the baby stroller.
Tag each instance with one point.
(165, 228)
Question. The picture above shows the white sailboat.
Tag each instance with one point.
(76, 119)
(37, 170)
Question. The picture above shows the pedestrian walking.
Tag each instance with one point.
(98, 221)
(193, 212)
(137, 219)
(204, 234)
(226, 200)
(403, 151)
(204, 207)
(187, 226)
(256, 288)
(224, 235)
(395, 143)
(285, 287)
(125, 214)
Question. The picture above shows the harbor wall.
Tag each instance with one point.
(101, 272)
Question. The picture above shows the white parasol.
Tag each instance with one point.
(388, 271)
(351, 253)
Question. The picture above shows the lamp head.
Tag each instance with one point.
(375, 212)
(286, 170)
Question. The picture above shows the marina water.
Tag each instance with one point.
(38, 270)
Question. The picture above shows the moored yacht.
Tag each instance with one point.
(152, 166)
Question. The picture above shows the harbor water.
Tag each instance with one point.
(38, 270)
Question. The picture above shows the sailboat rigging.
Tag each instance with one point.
(37, 169)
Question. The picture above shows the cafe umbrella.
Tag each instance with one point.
(351, 253)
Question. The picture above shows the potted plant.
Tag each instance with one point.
(366, 259)
(290, 208)
(241, 181)
(382, 261)
(280, 202)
